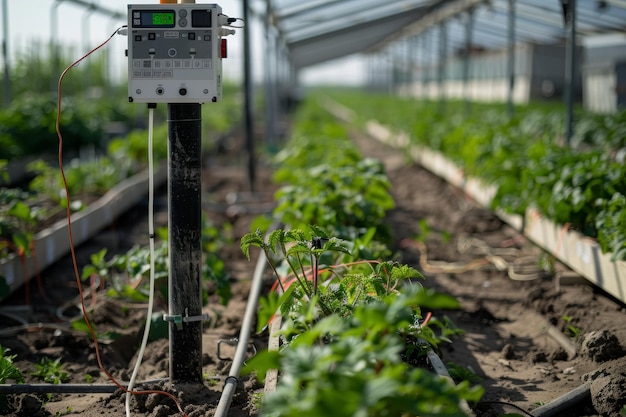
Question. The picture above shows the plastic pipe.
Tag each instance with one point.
(230, 384)
(441, 369)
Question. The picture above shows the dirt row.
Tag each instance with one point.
(532, 330)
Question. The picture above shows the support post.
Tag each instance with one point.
(185, 252)
(443, 52)
(469, 28)
(570, 68)
(248, 99)
(5, 54)
(511, 59)
(270, 80)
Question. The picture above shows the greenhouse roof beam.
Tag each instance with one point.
(588, 16)
(438, 15)
(356, 13)
(338, 43)
(353, 33)
(522, 10)
(305, 8)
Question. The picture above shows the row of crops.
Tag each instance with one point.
(96, 158)
(581, 185)
(354, 333)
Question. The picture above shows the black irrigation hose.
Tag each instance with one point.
(64, 388)
(70, 388)
(58, 388)
(509, 405)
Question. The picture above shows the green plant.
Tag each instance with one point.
(461, 373)
(85, 179)
(8, 372)
(18, 221)
(257, 399)
(68, 410)
(337, 283)
(351, 366)
(348, 197)
(611, 222)
(572, 330)
(127, 273)
(50, 371)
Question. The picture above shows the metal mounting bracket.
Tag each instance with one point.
(178, 319)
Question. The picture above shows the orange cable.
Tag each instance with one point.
(71, 239)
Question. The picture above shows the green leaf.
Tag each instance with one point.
(22, 211)
(252, 239)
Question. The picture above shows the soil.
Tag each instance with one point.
(507, 319)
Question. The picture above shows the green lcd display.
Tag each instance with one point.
(162, 19)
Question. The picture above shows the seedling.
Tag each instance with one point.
(572, 331)
(461, 373)
(50, 371)
(8, 372)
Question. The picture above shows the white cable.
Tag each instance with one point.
(146, 332)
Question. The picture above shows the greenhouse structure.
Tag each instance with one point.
(313, 208)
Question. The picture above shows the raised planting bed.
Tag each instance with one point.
(579, 252)
(52, 243)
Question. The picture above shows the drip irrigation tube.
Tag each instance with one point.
(63, 388)
(230, 384)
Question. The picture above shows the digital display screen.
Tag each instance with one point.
(162, 19)
(154, 18)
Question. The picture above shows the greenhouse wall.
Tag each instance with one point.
(599, 94)
(539, 74)
(605, 78)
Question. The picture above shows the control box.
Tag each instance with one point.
(174, 53)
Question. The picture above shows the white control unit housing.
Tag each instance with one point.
(174, 53)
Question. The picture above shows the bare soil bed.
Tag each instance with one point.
(506, 317)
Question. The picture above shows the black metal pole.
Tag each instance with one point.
(443, 52)
(5, 54)
(570, 70)
(270, 79)
(511, 60)
(469, 28)
(248, 99)
(185, 301)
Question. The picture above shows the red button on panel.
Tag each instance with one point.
(224, 49)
